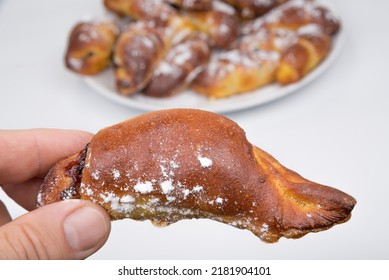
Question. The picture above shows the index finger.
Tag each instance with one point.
(25, 154)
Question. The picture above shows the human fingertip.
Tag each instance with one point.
(86, 229)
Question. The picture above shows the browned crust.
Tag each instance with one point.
(295, 14)
(220, 23)
(178, 67)
(249, 9)
(178, 164)
(143, 10)
(137, 54)
(193, 5)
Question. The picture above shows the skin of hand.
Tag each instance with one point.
(71, 229)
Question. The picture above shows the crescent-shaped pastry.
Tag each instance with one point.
(294, 14)
(236, 71)
(90, 47)
(179, 67)
(178, 164)
(138, 52)
(220, 24)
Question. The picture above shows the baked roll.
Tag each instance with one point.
(220, 23)
(142, 47)
(179, 67)
(235, 71)
(294, 14)
(312, 47)
(282, 46)
(250, 63)
(90, 47)
(140, 10)
(138, 52)
(178, 164)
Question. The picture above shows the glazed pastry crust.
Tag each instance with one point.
(178, 164)
(176, 70)
(137, 54)
(141, 10)
(220, 23)
(192, 5)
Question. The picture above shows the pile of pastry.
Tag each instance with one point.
(216, 48)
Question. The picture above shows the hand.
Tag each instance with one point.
(72, 229)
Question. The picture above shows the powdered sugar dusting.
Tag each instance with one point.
(264, 228)
(127, 199)
(167, 186)
(121, 205)
(89, 192)
(197, 188)
(223, 7)
(75, 63)
(205, 162)
(115, 174)
(95, 174)
(144, 187)
(311, 29)
(185, 192)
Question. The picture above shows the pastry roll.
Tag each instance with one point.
(140, 10)
(138, 52)
(311, 48)
(169, 165)
(141, 48)
(294, 14)
(236, 71)
(90, 46)
(300, 51)
(220, 24)
(179, 67)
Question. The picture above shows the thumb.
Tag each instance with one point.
(72, 229)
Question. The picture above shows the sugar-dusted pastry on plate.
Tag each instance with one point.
(177, 164)
(220, 23)
(283, 46)
(138, 52)
(181, 64)
(236, 71)
(142, 46)
(294, 14)
(140, 10)
(311, 48)
(90, 47)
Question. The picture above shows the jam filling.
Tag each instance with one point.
(74, 171)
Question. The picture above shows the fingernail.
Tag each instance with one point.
(84, 228)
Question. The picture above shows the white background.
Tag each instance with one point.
(334, 131)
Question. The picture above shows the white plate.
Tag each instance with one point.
(104, 84)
